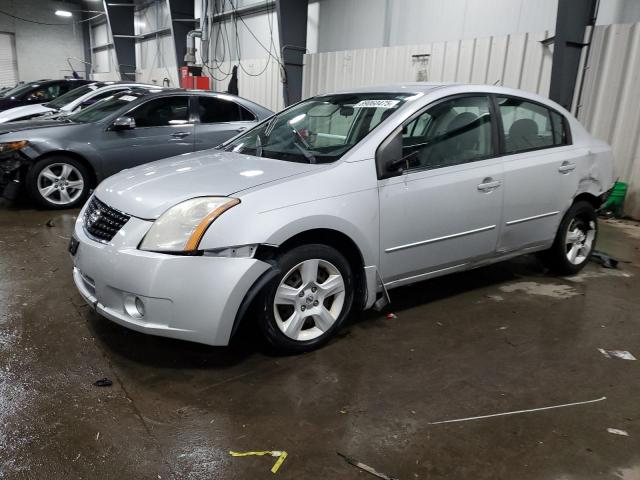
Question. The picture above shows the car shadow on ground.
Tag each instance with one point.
(163, 352)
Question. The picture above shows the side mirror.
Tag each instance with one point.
(389, 156)
(123, 123)
(34, 99)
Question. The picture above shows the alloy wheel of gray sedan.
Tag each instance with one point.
(60, 183)
(309, 299)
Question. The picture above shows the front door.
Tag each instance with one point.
(445, 209)
(163, 129)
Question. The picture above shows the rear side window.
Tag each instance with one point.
(218, 110)
(162, 112)
(526, 125)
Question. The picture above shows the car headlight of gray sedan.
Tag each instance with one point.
(180, 229)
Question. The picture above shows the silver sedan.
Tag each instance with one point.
(327, 206)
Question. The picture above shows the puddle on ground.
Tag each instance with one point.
(603, 272)
(543, 289)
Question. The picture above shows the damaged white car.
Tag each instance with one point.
(326, 206)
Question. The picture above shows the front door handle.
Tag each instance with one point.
(241, 129)
(180, 134)
(566, 167)
(489, 185)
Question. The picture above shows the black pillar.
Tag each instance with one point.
(572, 19)
(182, 13)
(120, 15)
(292, 26)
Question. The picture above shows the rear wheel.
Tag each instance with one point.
(58, 182)
(308, 301)
(575, 240)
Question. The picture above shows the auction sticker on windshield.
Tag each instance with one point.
(376, 104)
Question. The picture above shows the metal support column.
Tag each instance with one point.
(183, 21)
(120, 18)
(572, 19)
(292, 27)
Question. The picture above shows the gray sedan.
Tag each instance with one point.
(60, 161)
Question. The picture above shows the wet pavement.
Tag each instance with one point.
(504, 338)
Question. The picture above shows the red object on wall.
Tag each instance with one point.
(193, 82)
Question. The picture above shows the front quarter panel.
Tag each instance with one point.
(342, 197)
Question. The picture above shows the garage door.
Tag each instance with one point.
(8, 63)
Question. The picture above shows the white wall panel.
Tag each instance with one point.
(518, 61)
(263, 88)
(611, 98)
(8, 61)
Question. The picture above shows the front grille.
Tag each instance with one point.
(103, 222)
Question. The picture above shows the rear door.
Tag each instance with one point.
(537, 163)
(164, 128)
(445, 209)
(219, 119)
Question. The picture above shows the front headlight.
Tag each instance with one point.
(11, 146)
(181, 228)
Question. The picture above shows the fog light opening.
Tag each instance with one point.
(134, 306)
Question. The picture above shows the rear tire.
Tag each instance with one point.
(58, 182)
(575, 240)
(303, 307)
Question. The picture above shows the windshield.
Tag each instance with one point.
(319, 130)
(20, 89)
(105, 107)
(69, 97)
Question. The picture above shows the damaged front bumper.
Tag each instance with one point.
(12, 168)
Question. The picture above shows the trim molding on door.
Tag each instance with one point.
(535, 217)
(414, 277)
(438, 239)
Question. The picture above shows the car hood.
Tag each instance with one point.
(19, 112)
(10, 127)
(6, 103)
(149, 190)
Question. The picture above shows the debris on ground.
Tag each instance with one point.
(622, 354)
(103, 382)
(364, 467)
(604, 259)
(50, 223)
(616, 431)
(391, 316)
(281, 454)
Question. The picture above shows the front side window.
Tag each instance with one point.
(318, 130)
(219, 110)
(526, 125)
(47, 93)
(449, 133)
(162, 112)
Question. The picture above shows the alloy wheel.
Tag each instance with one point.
(60, 183)
(579, 240)
(309, 299)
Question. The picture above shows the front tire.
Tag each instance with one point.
(308, 301)
(58, 182)
(575, 240)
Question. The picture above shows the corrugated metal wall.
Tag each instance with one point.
(519, 61)
(610, 104)
(257, 81)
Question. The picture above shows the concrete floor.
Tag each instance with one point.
(504, 338)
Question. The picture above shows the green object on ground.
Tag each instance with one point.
(616, 199)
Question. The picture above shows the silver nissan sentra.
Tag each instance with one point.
(328, 205)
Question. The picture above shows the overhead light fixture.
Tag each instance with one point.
(64, 13)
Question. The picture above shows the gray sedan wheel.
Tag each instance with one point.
(58, 182)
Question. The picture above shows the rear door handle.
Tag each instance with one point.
(241, 129)
(566, 167)
(489, 184)
(180, 134)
